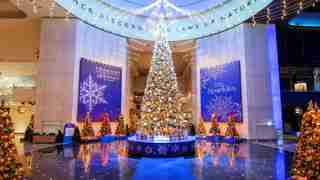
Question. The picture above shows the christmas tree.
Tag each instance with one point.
(10, 168)
(105, 126)
(87, 129)
(159, 113)
(307, 158)
(214, 129)
(121, 127)
(231, 129)
(201, 128)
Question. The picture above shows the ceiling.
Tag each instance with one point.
(185, 20)
(282, 10)
(190, 6)
(9, 10)
(124, 17)
(309, 19)
(140, 54)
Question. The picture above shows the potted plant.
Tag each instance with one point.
(43, 138)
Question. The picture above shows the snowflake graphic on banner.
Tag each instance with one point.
(223, 106)
(91, 93)
(211, 74)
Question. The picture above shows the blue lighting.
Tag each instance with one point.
(310, 19)
(275, 80)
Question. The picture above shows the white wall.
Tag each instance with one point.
(19, 40)
(97, 45)
(19, 45)
(55, 74)
(250, 46)
(63, 43)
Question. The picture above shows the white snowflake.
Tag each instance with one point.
(91, 93)
(210, 74)
(222, 106)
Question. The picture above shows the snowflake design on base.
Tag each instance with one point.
(162, 149)
(91, 93)
(223, 105)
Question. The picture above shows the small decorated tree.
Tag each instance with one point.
(87, 130)
(307, 158)
(133, 124)
(10, 168)
(214, 129)
(105, 126)
(201, 129)
(121, 127)
(231, 129)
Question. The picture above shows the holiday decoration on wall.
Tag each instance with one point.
(221, 91)
(214, 129)
(105, 126)
(99, 90)
(87, 130)
(307, 158)
(121, 129)
(231, 128)
(160, 116)
(10, 168)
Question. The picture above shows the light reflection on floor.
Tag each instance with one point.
(111, 162)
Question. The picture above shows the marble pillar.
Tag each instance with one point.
(63, 43)
(255, 47)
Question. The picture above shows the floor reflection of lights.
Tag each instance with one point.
(111, 161)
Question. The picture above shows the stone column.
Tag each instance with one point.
(62, 45)
(256, 49)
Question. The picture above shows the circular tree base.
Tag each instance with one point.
(151, 148)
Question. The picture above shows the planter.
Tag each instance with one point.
(89, 139)
(231, 140)
(121, 137)
(108, 138)
(38, 139)
(215, 138)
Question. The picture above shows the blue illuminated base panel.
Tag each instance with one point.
(151, 148)
(110, 138)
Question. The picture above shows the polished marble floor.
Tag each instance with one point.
(248, 161)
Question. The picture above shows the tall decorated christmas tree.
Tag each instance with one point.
(159, 112)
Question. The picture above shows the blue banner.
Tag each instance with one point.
(221, 91)
(99, 90)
